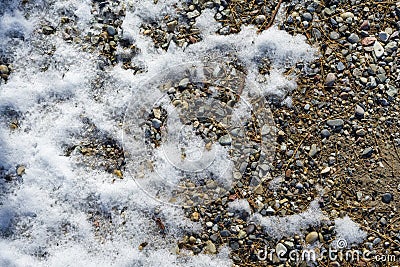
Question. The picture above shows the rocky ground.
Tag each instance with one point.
(339, 141)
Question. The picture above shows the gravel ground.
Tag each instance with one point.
(338, 144)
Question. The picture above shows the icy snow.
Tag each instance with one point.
(47, 211)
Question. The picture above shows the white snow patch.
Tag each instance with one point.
(349, 231)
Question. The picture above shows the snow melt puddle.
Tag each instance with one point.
(61, 212)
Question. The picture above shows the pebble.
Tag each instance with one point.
(330, 79)
(20, 170)
(184, 82)
(325, 133)
(383, 36)
(313, 150)
(365, 25)
(368, 41)
(326, 170)
(335, 123)
(334, 35)
(111, 30)
(312, 237)
(225, 140)
(225, 233)
(193, 14)
(280, 250)
(340, 66)
(3, 69)
(156, 123)
(250, 229)
(353, 38)
(359, 112)
(210, 247)
(367, 152)
(307, 16)
(378, 49)
(387, 198)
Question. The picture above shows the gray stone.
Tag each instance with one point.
(225, 140)
(313, 150)
(367, 152)
(340, 66)
(280, 250)
(193, 14)
(334, 35)
(335, 123)
(111, 30)
(387, 198)
(225, 233)
(330, 79)
(307, 16)
(359, 112)
(383, 36)
(353, 38)
(325, 133)
(184, 82)
(156, 123)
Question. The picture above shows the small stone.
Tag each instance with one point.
(280, 250)
(368, 41)
(340, 66)
(156, 123)
(172, 25)
(313, 150)
(118, 173)
(225, 233)
(334, 35)
(378, 49)
(193, 14)
(353, 38)
(307, 16)
(242, 234)
(335, 123)
(210, 247)
(367, 152)
(325, 133)
(326, 170)
(195, 216)
(3, 69)
(20, 170)
(111, 30)
(250, 229)
(184, 83)
(387, 198)
(383, 36)
(392, 91)
(330, 79)
(365, 25)
(346, 15)
(225, 140)
(260, 19)
(209, 224)
(192, 240)
(312, 237)
(359, 111)
(47, 30)
(360, 132)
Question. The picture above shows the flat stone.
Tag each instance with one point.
(383, 36)
(335, 123)
(225, 233)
